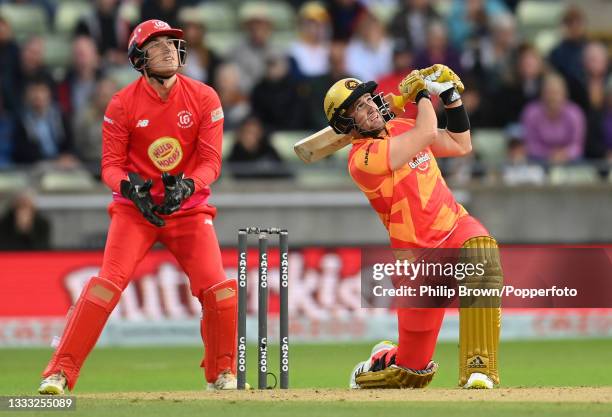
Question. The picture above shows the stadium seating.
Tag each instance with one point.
(13, 181)
(573, 175)
(68, 14)
(72, 180)
(490, 146)
(25, 19)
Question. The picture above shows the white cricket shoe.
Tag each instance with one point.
(479, 381)
(365, 366)
(53, 385)
(225, 381)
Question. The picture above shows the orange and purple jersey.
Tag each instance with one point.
(413, 202)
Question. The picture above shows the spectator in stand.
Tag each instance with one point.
(275, 100)
(468, 19)
(490, 57)
(402, 65)
(9, 70)
(474, 102)
(22, 227)
(203, 61)
(251, 52)
(553, 127)
(252, 156)
(314, 88)
(517, 169)
(108, 30)
(42, 134)
(310, 53)
(234, 101)
(345, 15)
(76, 91)
(523, 87)
(410, 23)
(438, 50)
(7, 130)
(88, 124)
(32, 65)
(589, 93)
(567, 56)
(369, 53)
(166, 10)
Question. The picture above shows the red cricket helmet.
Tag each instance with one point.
(147, 30)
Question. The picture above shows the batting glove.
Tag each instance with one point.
(443, 82)
(139, 191)
(177, 189)
(441, 73)
(411, 86)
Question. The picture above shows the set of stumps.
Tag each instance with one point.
(262, 304)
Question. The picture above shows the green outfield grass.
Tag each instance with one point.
(523, 364)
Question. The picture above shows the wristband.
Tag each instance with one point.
(449, 96)
(457, 120)
(422, 94)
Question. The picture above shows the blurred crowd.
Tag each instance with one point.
(554, 108)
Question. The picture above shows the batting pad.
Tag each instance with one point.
(397, 377)
(83, 328)
(480, 317)
(219, 329)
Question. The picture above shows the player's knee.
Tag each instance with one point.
(102, 292)
(116, 273)
(483, 252)
(221, 294)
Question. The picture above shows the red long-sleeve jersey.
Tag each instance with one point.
(144, 134)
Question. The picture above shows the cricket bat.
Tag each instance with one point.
(325, 142)
(321, 144)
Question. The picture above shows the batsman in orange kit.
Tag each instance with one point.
(162, 139)
(393, 162)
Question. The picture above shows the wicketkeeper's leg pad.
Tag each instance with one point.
(219, 328)
(83, 327)
(397, 377)
(480, 317)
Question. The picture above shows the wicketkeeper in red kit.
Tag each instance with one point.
(161, 151)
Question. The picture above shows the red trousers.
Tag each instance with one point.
(189, 235)
(419, 327)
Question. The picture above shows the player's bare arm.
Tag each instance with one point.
(450, 144)
(455, 139)
(404, 147)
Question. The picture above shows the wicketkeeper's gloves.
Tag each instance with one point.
(139, 191)
(177, 189)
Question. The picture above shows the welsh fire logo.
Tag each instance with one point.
(166, 153)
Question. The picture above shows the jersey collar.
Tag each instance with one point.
(153, 94)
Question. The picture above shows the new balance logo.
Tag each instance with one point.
(477, 362)
(142, 123)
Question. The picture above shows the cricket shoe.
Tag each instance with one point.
(381, 356)
(53, 385)
(225, 381)
(479, 381)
